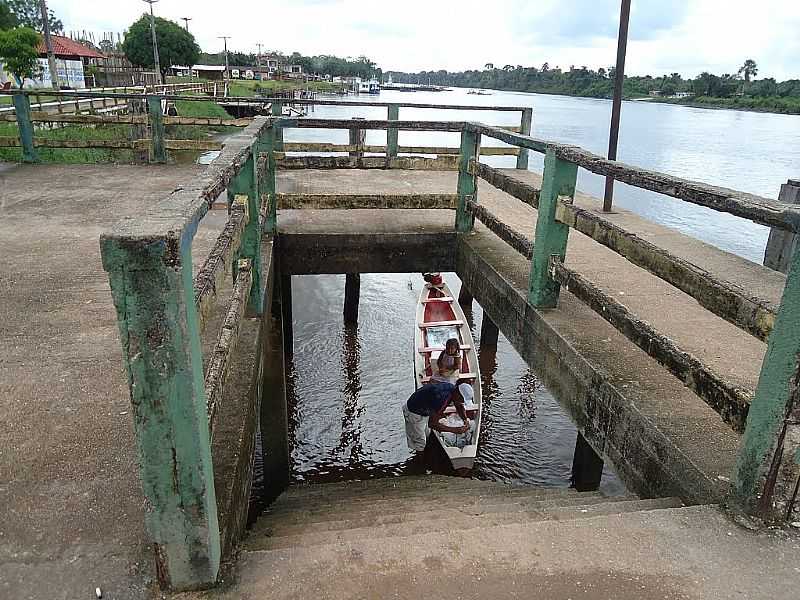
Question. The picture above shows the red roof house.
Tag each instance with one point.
(68, 49)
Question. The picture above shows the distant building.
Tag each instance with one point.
(655, 93)
(683, 95)
(211, 72)
(71, 59)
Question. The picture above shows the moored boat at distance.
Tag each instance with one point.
(439, 318)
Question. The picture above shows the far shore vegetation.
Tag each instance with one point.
(739, 90)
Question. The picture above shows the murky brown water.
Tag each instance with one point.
(347, 386)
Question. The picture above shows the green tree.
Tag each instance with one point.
(18, 52)
(489, 66)
(29, 14)
(7, 19)
(176, 46)
(748, 69)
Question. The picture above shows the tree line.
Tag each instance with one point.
(582, 81)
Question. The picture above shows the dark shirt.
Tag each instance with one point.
(430, 398)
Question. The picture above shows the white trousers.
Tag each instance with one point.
(416, 429)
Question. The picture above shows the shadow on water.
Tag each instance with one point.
(346, 385)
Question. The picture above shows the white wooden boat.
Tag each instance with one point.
(439, 318)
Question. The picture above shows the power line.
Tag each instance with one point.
(155, 41)
(225, 38)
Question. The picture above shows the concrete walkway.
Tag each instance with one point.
(71, 506)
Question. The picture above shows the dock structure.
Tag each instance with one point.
(675, 360)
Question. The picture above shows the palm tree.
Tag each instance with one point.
(748, 69)
(489, 66)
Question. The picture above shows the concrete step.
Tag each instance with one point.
(340, 511)
(283, 525)
(453, 523)
(405, 483)
(649, 554)
(387, 499)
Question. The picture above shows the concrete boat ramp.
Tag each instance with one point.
(72, 511)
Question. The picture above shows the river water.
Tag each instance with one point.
(346, 385)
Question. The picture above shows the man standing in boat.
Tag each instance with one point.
(425, 408)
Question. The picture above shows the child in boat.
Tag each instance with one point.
(448, 365)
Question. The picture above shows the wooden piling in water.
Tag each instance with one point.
(489, 333)
(352, 292)
(587, 467)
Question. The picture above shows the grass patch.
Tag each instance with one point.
(72, 155)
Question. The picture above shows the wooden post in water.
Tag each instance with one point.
(768, 464)
(465, 297)
(22, 108)
(467, 184)
(525, 129)
(551, 236)
(782, 244)
(391, 134)
(616, 105)
(158, 150)
(151, 284)
(352, 292)
(587, 467)
(490, 333)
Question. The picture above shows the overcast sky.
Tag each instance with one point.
(688, 36)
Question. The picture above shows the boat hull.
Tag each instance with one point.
(439, 317)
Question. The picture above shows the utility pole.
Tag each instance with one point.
(186, 22)
(616, 106)
(48, 42)
(258, 56)
(225, 39)
(155, 41)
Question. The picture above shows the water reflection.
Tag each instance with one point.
(346, 386)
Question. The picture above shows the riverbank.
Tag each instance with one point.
(248, 87)
(776, 105)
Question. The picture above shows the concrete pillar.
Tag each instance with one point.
(587, 467)
(782, 243)
(274, 420)
(489, 332)
(352, 292)
(524, 129)
(465, 296)
(467, 182)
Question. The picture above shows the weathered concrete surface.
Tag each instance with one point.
(430, 538)
(71, 506)
(367, 241)
(628, 407)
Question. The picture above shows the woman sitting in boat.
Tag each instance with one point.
(448, 364)
(425, 409)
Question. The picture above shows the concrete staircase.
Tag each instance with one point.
(314, 516)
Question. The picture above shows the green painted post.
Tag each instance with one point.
(277, 111)
(246, 184)
(151, 283)
(22, 107)
(551, 236)
(391, 134)
(467, 186)
(770, 408)
(525, 129)
(270, 136)
(159, 152)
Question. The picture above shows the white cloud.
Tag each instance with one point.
(676, 35)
